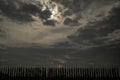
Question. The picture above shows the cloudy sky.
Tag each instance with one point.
(85, 24)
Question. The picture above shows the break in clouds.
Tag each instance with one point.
(66, 23)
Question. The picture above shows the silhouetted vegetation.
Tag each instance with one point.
(19, 73)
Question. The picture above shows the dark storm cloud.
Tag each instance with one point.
(10, 10)
(49, 22)
(34, 10)
(77, 7)
(22, 11)
(76, 13)
(73, 7)
(65, 44)
(92, 33)
(2, 32)
(52, 57)
(1, 19)
(71, 22)
(92, 39)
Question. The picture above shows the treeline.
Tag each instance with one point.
(19, 73)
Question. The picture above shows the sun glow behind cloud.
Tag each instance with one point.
(20, 34)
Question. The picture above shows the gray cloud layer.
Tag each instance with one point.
(85, 24)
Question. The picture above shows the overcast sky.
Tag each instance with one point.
(86, 23)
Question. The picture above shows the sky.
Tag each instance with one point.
(85, 24)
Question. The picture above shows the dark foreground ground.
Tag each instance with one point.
(19, 73)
